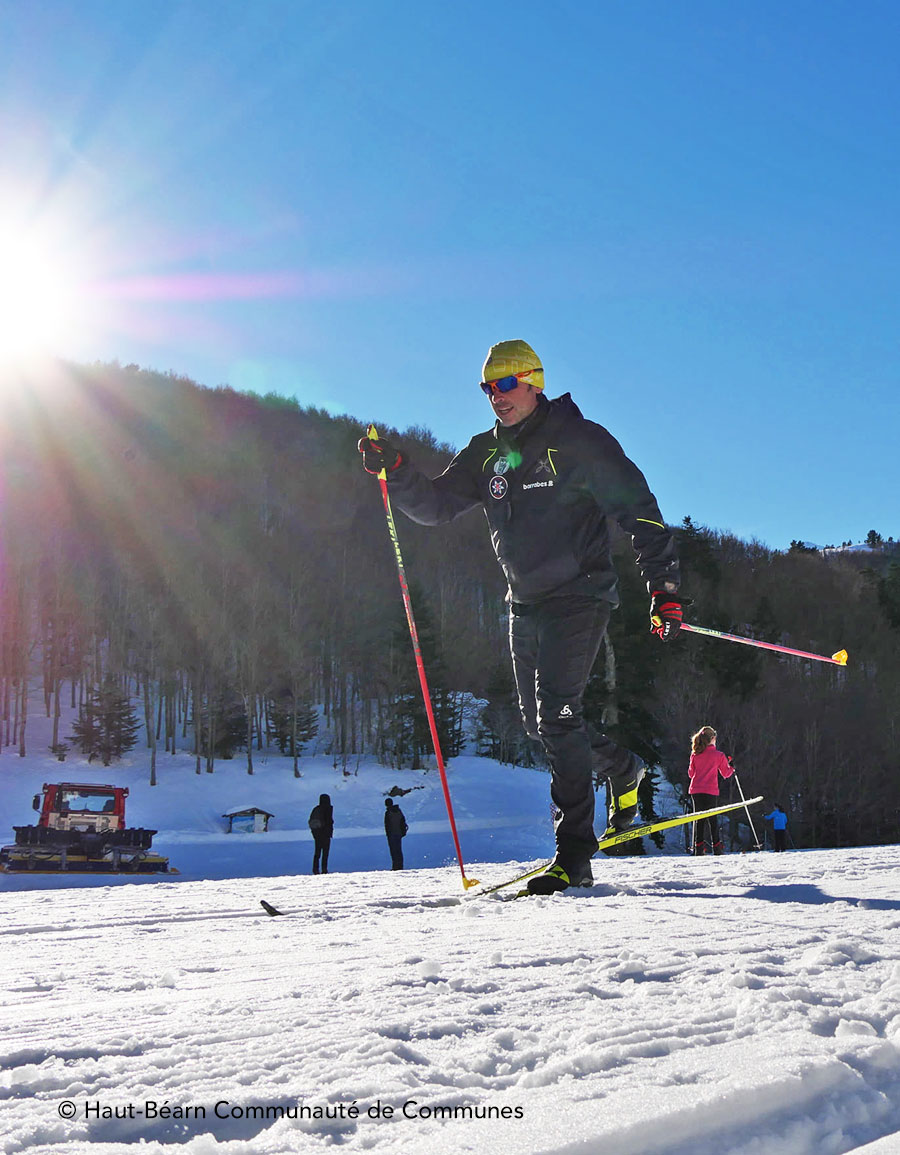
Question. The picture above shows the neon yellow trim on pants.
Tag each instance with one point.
(623, 801)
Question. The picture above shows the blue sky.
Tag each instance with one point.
(688, 208)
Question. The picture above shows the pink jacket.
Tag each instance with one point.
(705, 769)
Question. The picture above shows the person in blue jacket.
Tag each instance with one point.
(778, 819)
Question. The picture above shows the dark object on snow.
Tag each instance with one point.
(269, 909)
(321, 825)
(396, 829)
(561, 874)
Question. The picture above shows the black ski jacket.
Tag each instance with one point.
(548, 486)
(321, 821)
(395, 822)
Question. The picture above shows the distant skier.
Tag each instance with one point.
(321, 825)
(396, 829)
(778, 818)
(706, 764)
(548, 481)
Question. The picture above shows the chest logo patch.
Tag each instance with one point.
(499, 487)
(502, 465)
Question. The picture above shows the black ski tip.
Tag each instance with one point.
(268, 908)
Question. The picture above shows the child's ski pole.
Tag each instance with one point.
(737, 782)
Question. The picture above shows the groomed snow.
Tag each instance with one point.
(742, 1005)
(746, 1005)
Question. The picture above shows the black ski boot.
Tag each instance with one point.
(561, 874)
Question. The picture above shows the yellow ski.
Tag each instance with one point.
(632, 832)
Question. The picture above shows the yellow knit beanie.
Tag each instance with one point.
(509, 357)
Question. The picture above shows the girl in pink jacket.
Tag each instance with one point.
(707, 763)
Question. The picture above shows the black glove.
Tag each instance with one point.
(378, 455)
(665, 613)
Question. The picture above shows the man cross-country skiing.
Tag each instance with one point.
(548, 479)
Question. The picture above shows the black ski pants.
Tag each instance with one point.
(706, 830)
(395, 845)
(554, 644)
(323, 845)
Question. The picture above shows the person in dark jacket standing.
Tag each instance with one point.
(321, 825)
(548, 479)
(706, 765)
(396, 829)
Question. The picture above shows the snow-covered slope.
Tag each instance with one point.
(742, 1005)
(745, 1005)
(502, 812)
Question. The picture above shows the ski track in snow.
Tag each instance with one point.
(745, 1005)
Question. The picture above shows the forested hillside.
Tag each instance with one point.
(224, 557)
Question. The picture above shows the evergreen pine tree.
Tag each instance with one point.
(282, 725)
(227, 720)
(501, 734)
(405, 736)
(107, 726)
(889, 594)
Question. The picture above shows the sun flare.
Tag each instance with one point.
(39, 300)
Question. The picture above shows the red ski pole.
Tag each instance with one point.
(372, 433)
(838, 659)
